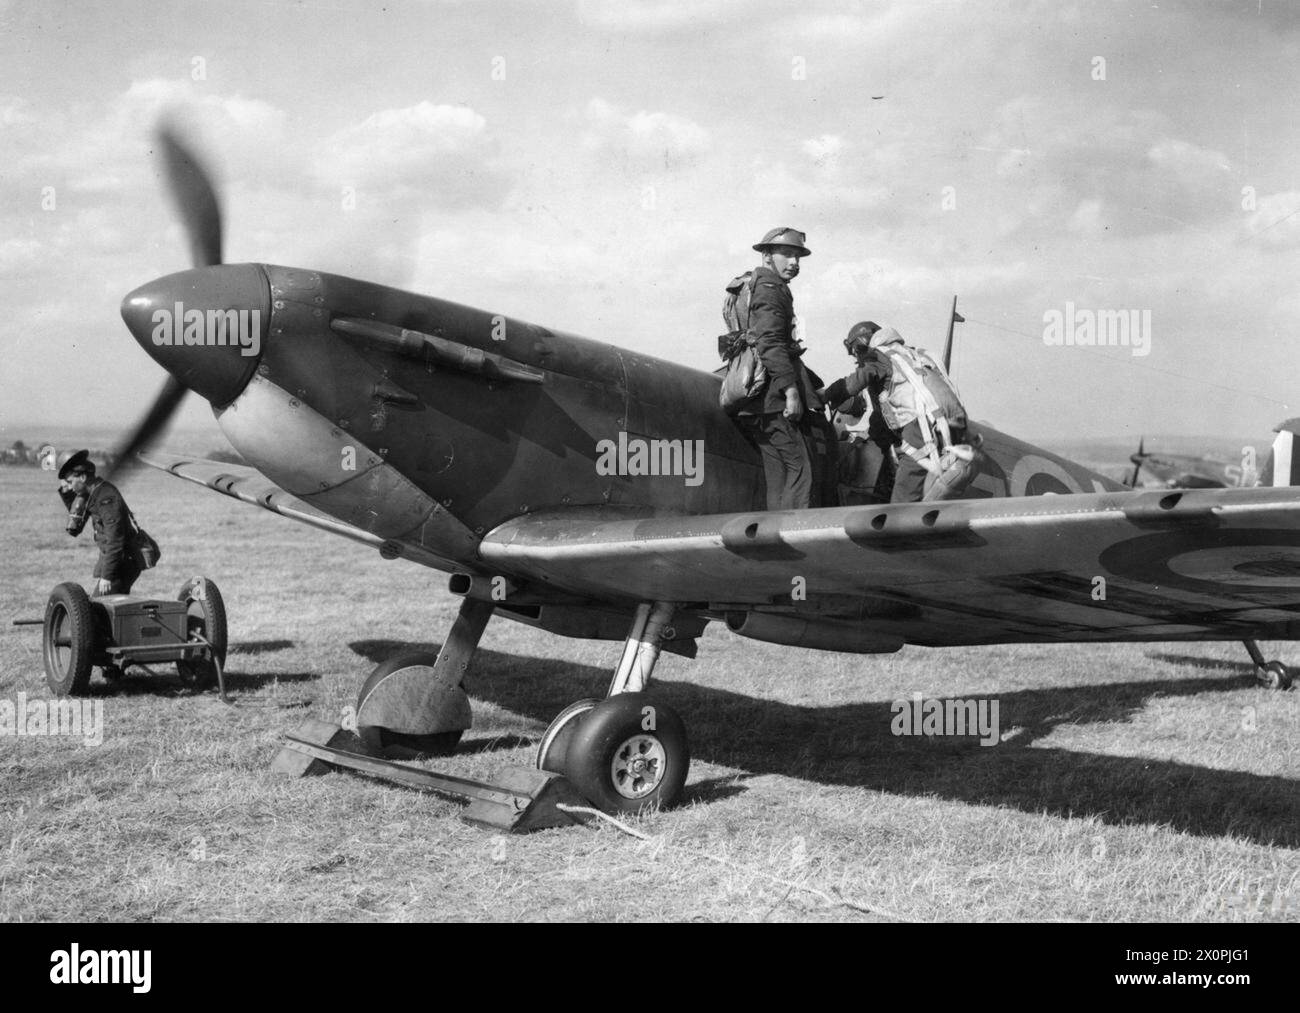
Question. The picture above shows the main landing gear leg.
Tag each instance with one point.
(628, 752)
(415, 700)
(1269, 674)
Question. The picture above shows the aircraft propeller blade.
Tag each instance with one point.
(195, 198)
(1137, 460)
(149, 427)
(190, 185)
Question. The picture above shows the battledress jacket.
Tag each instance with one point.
(112, 526)
(771, 326)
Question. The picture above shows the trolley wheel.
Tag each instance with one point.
(206, 618)
(629, 754)
(69, 640)
(553, 750)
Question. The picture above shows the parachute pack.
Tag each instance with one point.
(919, 388)
(921, 391)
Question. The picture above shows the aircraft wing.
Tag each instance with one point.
(1160, 565)
(249, 485)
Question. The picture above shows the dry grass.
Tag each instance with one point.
(1137, 782)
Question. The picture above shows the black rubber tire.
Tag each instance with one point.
(553, 750)
(1274, 675)
(609, 730)
(68, 616)
(207, 617)
(385, 739)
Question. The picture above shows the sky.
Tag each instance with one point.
(604, 168)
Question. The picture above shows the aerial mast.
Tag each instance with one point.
(954, 318)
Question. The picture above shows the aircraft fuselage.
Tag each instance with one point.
(429, 422)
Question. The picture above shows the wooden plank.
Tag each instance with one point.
(411, 777)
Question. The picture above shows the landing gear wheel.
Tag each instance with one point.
(206, 618)
(1274, 675)
(381, 739)
(629, 754)
(553, 750)
(69, 640)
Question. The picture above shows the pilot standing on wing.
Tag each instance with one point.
(85, 495)
(793, 435)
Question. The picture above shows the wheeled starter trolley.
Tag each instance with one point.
(120, 630)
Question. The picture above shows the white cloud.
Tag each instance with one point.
(1275, 222)
(443, 154)
(225, 117)
(658, 15)
(891, 282)
(19, 257)
(1087, 219)
(111, 152)
(14, 111)
(824, 150)
(829, 173)
(644, 140)
(1114, 170)
(1189, 162)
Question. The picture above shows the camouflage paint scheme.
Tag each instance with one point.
(473, 440)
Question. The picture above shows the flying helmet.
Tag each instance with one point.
(859, 337)
(784, 236)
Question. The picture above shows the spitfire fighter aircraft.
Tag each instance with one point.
(1187, 471)
(596, 492)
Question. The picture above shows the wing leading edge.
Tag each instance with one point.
(1133, 566)
(250, 486)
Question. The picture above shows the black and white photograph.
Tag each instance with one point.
(651, 462)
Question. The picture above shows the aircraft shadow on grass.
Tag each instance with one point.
(852, 745)
(1242, 668)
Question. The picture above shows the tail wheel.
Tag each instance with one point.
(382, 739)
(553, 750)
(1274, 675)
(205, 618)
(628, 754)
(69, 640)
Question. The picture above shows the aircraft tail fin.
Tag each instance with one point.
(1283, 464)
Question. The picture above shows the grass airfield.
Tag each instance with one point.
(1132, 782)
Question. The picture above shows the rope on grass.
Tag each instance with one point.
(563, 807)
(830, 900)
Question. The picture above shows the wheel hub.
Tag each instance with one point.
(61, 639)
(638, 766)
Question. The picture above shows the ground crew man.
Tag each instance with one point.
(86, 495)
(793, 435)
